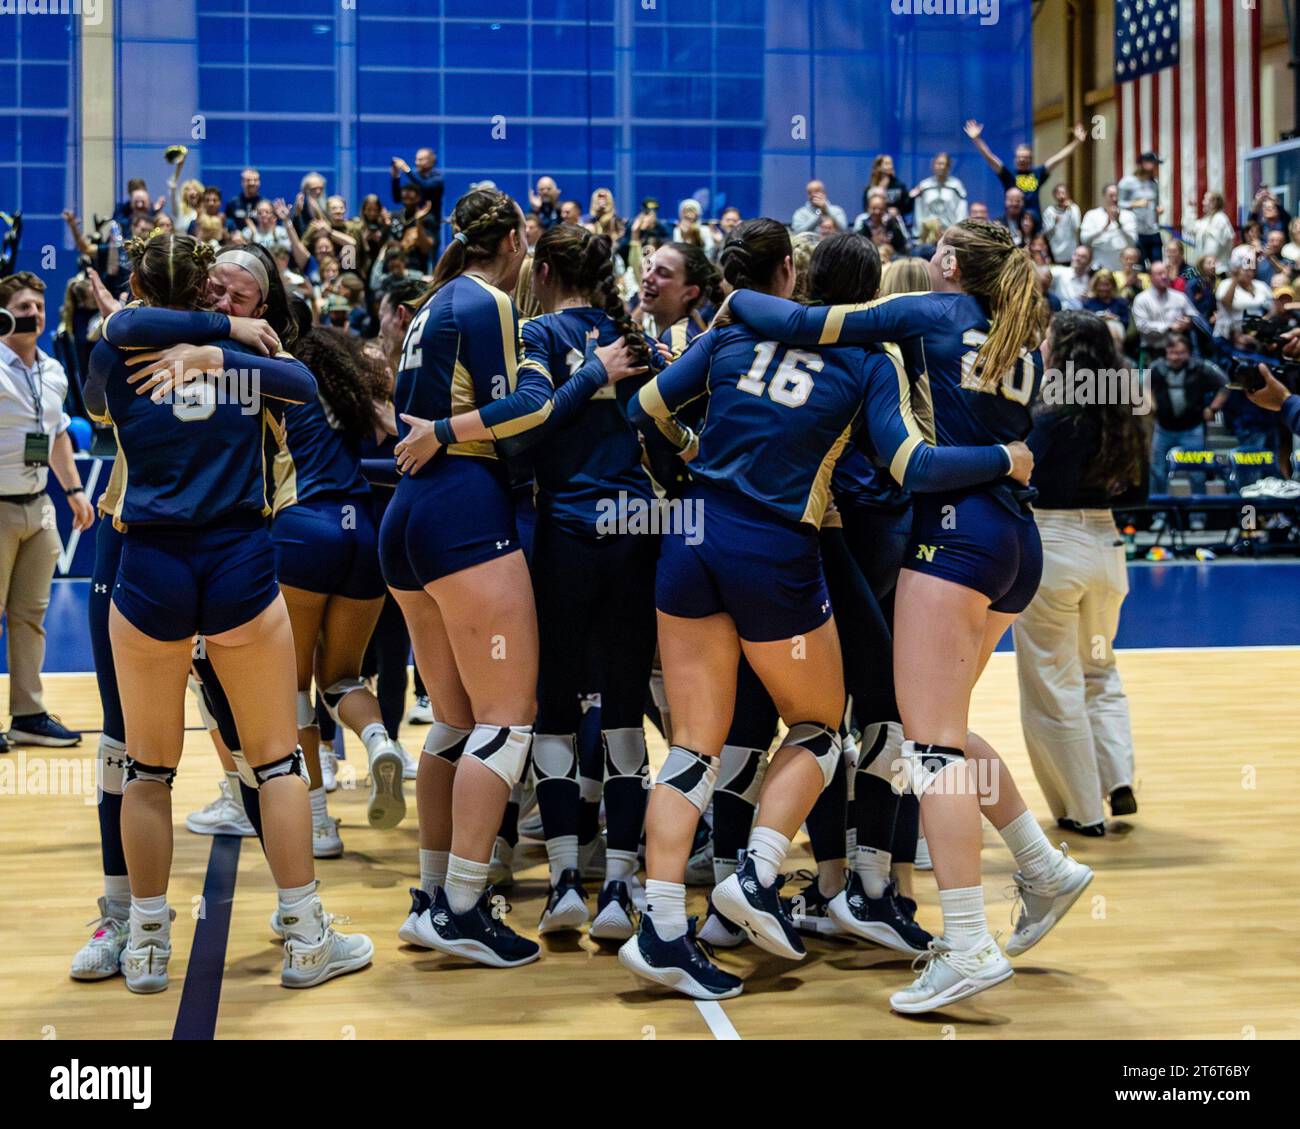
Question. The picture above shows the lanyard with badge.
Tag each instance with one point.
(36, 444)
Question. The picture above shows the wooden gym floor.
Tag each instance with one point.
(1187, 931)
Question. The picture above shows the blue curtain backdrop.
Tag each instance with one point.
(670, 98)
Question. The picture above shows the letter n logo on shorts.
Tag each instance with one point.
(926, 552)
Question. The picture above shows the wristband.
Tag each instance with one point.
(443, 433)
(74, 490)
(1011, 463)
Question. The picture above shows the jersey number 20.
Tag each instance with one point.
(793, 382)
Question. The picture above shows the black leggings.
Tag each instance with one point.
(386, 657)
(596, 629)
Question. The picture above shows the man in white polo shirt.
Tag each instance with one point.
(1160, 310)
(33, 440)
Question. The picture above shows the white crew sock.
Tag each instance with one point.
(152, 912)
(466, 880)
(117, 892)
(561, 854)
(666, 908)
(301, 916)
(830, 877)
(964, 925)
(1035, 855)
(319, 812)
(374, 736)
(620, 866)
(433, 870)
(872, 866)
(767, 848)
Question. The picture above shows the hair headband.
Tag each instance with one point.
(249, 262)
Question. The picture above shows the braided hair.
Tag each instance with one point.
(753, 252)
(583, 262)
(482, 218)
(170, 270)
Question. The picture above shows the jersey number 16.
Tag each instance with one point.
(793, 382)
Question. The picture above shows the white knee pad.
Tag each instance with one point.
(295, 764)
(880, 755)
(306, 711)
(340, 690)
(692, 774)
(205, 714)
(502, 748)
(446, 741)
(741, 772)
(920, 764)
(112, 765)
(822, 742)
(625, 753)
(156, 773)
(244, 769)
(850, 752)
(555, 756)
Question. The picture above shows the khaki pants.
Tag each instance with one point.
(29, 553)
(1072, 704)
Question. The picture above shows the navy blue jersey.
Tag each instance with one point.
(778, 418)
(197, 457)
(939, 336)
(859, 483)
(680, 334)
(587, 452)
(315, 457)
(461, 355)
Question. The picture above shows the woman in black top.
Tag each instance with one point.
(1087, 461)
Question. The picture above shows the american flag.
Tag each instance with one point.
(1187, 78)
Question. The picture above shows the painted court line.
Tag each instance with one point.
(196, 1018)
(717, 1020)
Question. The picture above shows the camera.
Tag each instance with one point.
(1268, 331)
(9, 325)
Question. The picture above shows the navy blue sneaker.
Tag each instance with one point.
(719, 932)
(479, 934)
(421, 903)
(886, 920)
(566, 906)
(616, 914)
(42, 729)
(810, 909)
(682, 965)
(757, 909)
(4, 742)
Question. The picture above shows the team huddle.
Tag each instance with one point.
(861, 537)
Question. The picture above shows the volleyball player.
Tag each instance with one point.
(198, 560)
(973, 564)
(676, 281)
(451, 557)
(777, 420)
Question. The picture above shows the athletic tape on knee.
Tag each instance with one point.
(158, 774)
(555, 756)
(625, 753)
(205, 714)
(111, 759)
(923, 763)
(692, 774)
(306, 711)
(292, 765)
(446, 741)
(502, 748)
(822, 742)
(741, 772)
(244, 769)
(336, 693)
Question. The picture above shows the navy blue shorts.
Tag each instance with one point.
(974, 540)
(457, 516)
(330, 546)
(178, 581)
(764, 572)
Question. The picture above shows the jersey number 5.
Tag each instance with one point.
(793, 382)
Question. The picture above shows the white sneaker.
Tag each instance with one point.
(501, 869)
(329, 768)
(224, 816)
(950, 975)
(335, 954)
(387, 802)
(1043, 904)
(922, 855)
(100, 957)
(421, 713)
(326, 842)
(412, 763)
(145, 968)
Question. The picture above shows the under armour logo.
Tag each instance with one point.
(502, 544)
(826, 606)
(100, 589)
